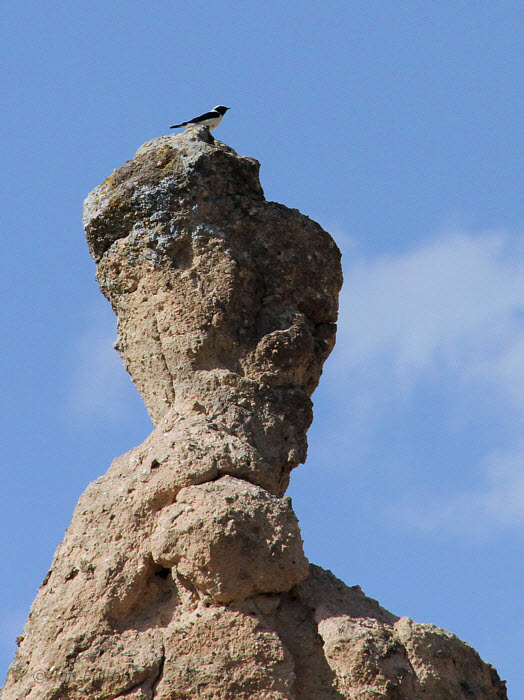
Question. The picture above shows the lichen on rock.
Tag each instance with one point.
(182, 574)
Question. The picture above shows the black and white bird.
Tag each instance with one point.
(210, 119)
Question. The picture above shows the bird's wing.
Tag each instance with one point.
(202, 117)
(208, 115)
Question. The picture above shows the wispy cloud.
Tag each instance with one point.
(496, 501)
(448, 314)
(453, 300)
(100, 388)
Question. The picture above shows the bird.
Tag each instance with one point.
(210, 119)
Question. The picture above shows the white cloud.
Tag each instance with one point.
(452, 300)
(448, 314)
(503, 367)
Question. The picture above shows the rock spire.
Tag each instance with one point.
(182, 574)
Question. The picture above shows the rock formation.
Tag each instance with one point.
(182, 574)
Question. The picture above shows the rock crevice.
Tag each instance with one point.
(182, 574)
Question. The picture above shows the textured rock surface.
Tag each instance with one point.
(248, 543)
(225, 302)
(182, 574)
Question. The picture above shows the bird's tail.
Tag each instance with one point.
(177, 126)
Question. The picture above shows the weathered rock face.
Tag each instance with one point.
(226, 303)
(182, 574)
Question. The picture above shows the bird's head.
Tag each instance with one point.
(221, 109)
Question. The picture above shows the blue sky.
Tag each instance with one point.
(398, 127)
